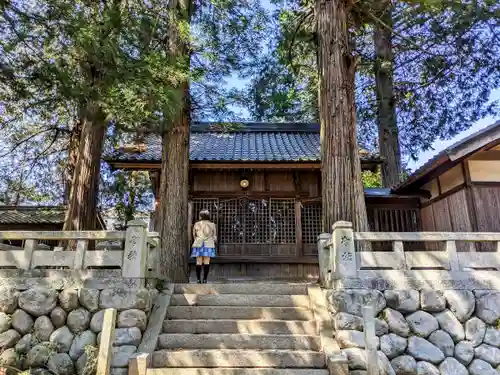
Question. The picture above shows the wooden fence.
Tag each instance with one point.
(132, 256)
(344, 266)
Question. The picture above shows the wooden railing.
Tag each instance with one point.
(340, 259)
(132, 255)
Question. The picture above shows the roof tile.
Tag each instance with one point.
(237, 146)
(31, 215)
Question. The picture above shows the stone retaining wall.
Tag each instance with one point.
(428, 332)
(42, 328)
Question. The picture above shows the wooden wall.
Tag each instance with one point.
(283, 183)
(484, 171)
(465, 198)
(295, 253)
(449, 214)
(487, 205)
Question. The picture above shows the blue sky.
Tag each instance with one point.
(440, 145)
(437, 146)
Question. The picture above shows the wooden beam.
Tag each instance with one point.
(444, 195)
(154, 177)
(296, 181)
(190, 221)
(224, 166)
(106, 344)
(249, 194)
(440, 191)
(486, 183)
(134, 165)
(486, 155)
(255, 165)
(138, 364)
(471, 204)
(266, 182)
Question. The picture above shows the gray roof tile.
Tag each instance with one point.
(31, 215)
(247, 144)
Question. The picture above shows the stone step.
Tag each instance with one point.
(238, 358)
(271, 327)
(238, 371)
(243, 288)
(224, 312)
(238, 341)
(240, 300)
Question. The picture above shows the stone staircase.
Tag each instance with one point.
(240, 329)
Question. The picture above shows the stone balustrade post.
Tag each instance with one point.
(324, 245)
(135, 256)
(342, 251)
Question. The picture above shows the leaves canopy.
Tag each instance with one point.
(447, 62)
(55, 55)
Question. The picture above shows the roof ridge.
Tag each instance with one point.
(260, 127)
(27, 207)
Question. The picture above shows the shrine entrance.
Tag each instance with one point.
(270, 237)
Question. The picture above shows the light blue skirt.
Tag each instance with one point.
(203, 251)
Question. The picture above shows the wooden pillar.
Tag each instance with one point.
(138, 365)
(470, 204)
(190, 222)
(298, 228)
(106, 344)
(154, 177)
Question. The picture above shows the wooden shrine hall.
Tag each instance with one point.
(262, 185)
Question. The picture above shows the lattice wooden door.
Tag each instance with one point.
(253, 227)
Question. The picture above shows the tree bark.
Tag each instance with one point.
(73, 150)
(342, 188)
(386, 115)
(173, 207)
(82, 209)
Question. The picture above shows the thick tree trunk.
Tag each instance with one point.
(82, 209)
(342, 189)
(174, 201)
(173, 207)
(386, 103)
(73, 151)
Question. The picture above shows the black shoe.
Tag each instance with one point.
(204, 281)
(198, 282)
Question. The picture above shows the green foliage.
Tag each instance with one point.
(57, 55)
(228, 37)
(126, 193)
(447, 62)
(371, 179)
(284, 81)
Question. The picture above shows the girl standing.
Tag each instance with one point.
(205, 236)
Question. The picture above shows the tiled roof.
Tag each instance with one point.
(281, 143)
(444, 156)
(31, 215)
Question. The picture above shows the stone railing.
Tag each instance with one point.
(342, 266)
(125, 258)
